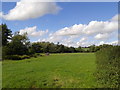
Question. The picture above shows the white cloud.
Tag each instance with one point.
(111, 43)
(69, 41)
(1, 14)
(82, 44)
(54, 39)
(51, 38)
(95, 32)
(115, 18)
(101, 43)
(102, 36)
(101, 27)
(31, 9)
(73, 30)
(99, 30)
(83, 39)
(85, 34)
(32, 31)
(94, 27)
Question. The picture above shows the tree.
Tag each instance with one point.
(92, 48)
(79, 49)
(19, 45)
(6, 34)
(36, 47)
(60, 48)
(52, 48)
(72, 49)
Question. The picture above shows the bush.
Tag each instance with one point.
(12, 57)
(25, 57)
(107, 73)
(16, 57)
(35, 55)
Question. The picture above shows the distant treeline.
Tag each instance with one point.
(14, 45)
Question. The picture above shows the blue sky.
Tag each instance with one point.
(68, 15)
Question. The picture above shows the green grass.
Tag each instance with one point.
(54, 71)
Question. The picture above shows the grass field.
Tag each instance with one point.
(54, 71)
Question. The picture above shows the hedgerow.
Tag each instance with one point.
(107, 72)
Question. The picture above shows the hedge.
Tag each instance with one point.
(16, 57)
(107, 72)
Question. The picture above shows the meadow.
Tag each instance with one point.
(68, 70)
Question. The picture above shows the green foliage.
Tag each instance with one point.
(18, 46)
(60, 48)
(72, 49)
(16, 57)
(34, 55)
(44, 47)
(25, 57)
(92, 48)
(36, 48)
(13, 45)
(108, 60)
(12, 57)
(79, 49)
(6, 34)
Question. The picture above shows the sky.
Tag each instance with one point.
(70, 23)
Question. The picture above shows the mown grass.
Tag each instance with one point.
(53, 71)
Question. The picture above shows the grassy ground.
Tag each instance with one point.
(57, 70)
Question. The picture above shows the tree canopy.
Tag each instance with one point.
(6, 34)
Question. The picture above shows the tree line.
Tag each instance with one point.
(16, 44)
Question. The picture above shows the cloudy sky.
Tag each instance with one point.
(70, 23)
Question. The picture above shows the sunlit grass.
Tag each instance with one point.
(56, 70)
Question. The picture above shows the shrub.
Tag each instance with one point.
(107, 73)
(12, 57)
(25, 57)
(16, 57)
(35, 55)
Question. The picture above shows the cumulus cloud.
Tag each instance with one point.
(73, 30)
(95, 32)
(32, 31)
(101, 27)
(1, 14)
(101, 43)
(54, 39)
(25, 9)
(82, 44)
(99, 30)
(102, 36)
(83, 39)
(116, 17)
(94, 27)
(111, 43)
